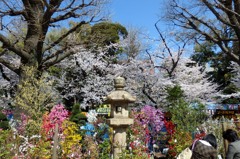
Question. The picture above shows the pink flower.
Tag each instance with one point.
(56, 116)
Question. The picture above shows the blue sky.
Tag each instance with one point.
(141, 14)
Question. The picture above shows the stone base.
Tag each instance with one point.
(120, 121)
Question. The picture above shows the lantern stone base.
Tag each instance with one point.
(120, 121)
(119, 135)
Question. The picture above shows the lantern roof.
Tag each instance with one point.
(119, 94)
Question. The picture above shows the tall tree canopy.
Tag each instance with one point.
(216, 21)
(104, 34)
(35, 18)
(218, 64)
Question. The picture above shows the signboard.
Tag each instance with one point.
(215, 106)
(226, 113)
(104, 109)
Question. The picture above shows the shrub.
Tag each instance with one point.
(4, 123)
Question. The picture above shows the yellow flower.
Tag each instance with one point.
(71, 138)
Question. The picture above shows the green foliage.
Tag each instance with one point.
(1, 49)
(83, 32)
(228, 90)
(186, 116)
(33, 127)
(35, 94)
(136, 154)
(174, 93)
(77, 116)
(231, 88)
(4, 123)
(55, 34)
(5, 147)
(180, 141)
(3, 117)
(105, 33)
(206, 53)
(221, 72)
(6, 144)
(43, 149)
(101, 35)
(55, 71)
(105, 149)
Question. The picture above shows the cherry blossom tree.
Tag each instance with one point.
(91, 76)
(86, 76)
(193, 81)
(93, 79)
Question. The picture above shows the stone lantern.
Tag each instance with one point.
(119, 117)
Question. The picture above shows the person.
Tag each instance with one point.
(233, 151)
(205, 148)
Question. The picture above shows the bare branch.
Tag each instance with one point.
(9, 65)
(150, 57)
(148, 95)
(7, 44)
(56, 54)
(38, 16)
(191, 16)
(71, 12)
(57, 58)
(64, 35)
(218, 16)
(163, 39)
